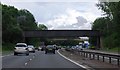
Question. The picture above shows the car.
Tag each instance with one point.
(21, 48)
(42, 48)
(50, 48)
(73, 47)
(57, 47)
(31, 48)
(79, 47)
(68, 48)
(39, 48)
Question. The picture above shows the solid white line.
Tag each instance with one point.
(30, 59)
(6, 55)
(1, 56)
(72, 61)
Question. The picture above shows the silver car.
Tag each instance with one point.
(31, 48)
(21, 48)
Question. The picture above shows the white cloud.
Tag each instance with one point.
(73, 15)
(59, 0)
(71, 20)
(50, 0)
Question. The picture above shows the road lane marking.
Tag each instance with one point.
(30, 59)
(33, 56)
(87, 68)
(6, 55)
(26, 63)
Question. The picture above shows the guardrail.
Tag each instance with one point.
(98, 55)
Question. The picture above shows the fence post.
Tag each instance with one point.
(90, 55)
(118, 62)
(93, 56)
(86, 55)
(97, 57)
(103, 58)
(109, 59)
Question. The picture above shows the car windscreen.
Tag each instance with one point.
(31, 46)
(21, 46)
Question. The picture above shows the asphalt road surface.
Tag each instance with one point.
(37, 60)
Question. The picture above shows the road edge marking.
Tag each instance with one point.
(6, 55)
(72, 61)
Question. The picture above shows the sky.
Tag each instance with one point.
(61, 15)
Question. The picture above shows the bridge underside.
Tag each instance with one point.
(63, 34)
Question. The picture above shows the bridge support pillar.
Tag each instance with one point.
(98, 43)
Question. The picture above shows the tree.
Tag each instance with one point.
(14, 22)
(110, 24)
(9, 25)
(26, 20)
(42, 27)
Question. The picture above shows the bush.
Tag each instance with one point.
(8, 47)
(92, 47)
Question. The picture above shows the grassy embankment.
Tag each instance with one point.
(114, 50)
(111, 50)
(7, 48)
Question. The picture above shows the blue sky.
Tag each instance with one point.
(61, 15)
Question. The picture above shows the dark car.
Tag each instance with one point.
(50, 48)
(43, 48)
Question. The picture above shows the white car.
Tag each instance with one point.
(39, 48)
(31, 48)
(21, 48)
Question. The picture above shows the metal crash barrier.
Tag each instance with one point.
(98, 55)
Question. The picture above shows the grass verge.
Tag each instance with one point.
(7, 48)
(113, 50)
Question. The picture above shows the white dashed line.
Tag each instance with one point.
(33, 56)
(73, 61)
(30, 59)
(25, 63)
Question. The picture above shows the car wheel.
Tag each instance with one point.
(41, 49)
(45, 52)
(27, 54)
(15, 53)
(33, 51)
(54, 52)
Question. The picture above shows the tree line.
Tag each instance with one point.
(109, 25)
(15, 21)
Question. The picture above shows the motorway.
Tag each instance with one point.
(37, 60)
